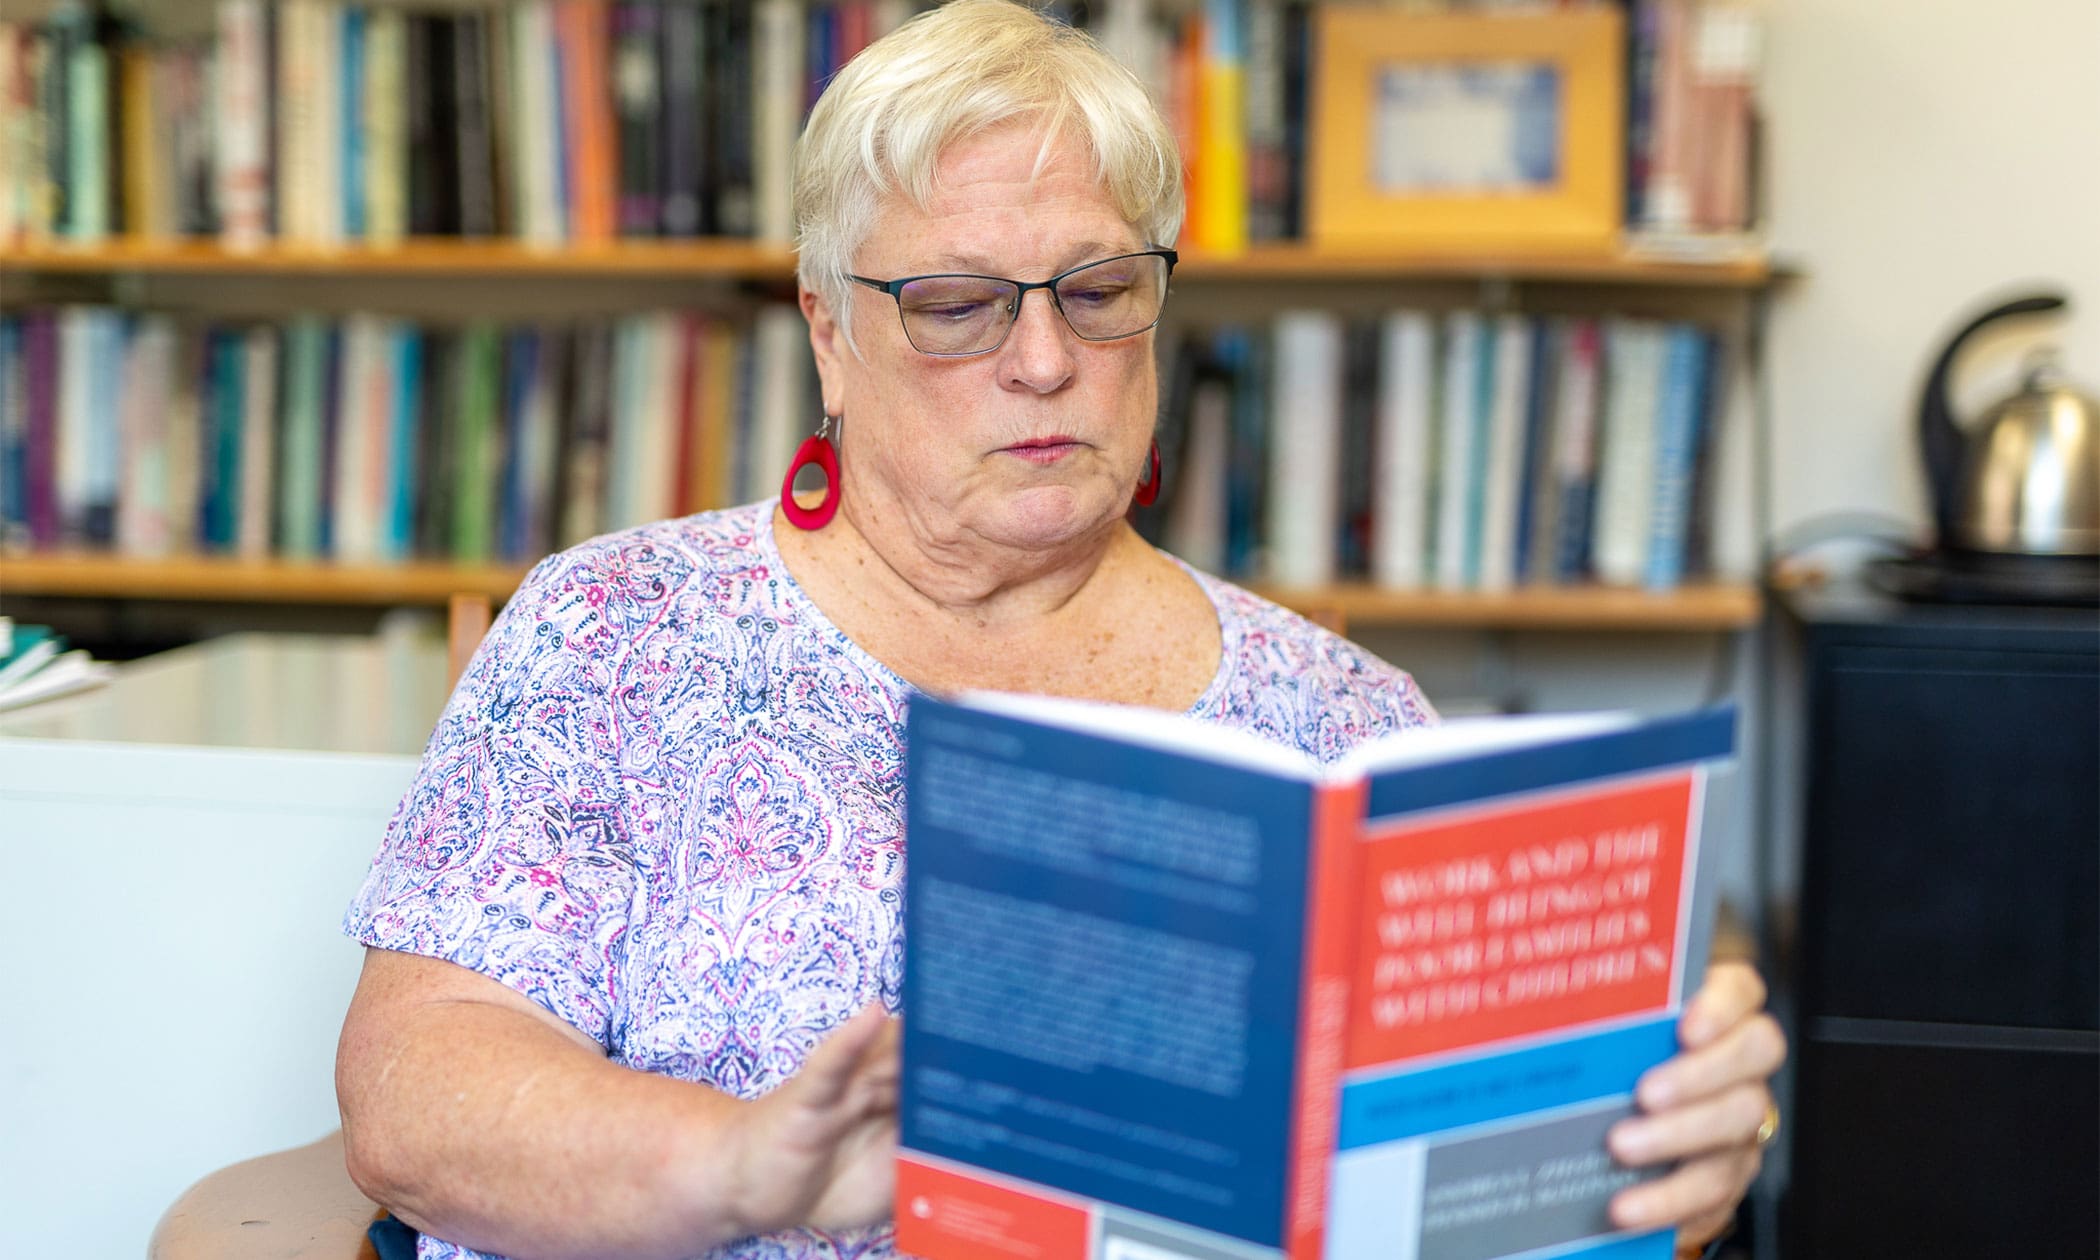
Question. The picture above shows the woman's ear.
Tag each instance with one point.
(827, 340)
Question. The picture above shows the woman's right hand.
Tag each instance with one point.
(821, 1149)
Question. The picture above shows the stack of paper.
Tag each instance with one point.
(35, 665)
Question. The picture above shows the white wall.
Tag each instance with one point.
(1924, 156)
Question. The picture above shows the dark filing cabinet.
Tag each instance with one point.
(1946, 984)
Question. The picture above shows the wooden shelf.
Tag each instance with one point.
(730, 259)
(750, 260)
(1706, 607)
(1695, 608)
(231, 580)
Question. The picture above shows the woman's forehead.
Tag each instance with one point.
(1002, 198)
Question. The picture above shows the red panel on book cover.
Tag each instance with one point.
(948, 1215)
(1500, 923)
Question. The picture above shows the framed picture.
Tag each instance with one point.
(1468, 133)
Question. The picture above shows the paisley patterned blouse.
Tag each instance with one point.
(665, 803)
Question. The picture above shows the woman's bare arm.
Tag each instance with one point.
(477, 1116)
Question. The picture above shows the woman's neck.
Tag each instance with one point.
(894, 563)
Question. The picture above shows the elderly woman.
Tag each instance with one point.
(635, 927)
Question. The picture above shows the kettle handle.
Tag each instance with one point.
(1939, 439)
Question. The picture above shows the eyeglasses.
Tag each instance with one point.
(954, 315)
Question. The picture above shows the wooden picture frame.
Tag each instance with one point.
(1468, 134)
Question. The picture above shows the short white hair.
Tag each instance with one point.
(882, 126)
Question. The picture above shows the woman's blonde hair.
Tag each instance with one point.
(882, 125)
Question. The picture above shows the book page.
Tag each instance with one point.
(1151, 728)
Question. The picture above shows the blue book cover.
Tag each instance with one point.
(1170, 990)
(1679, 412)
(353, 135)
(14, 434)
(1248, 453)
(405, 442)
(224, 395)
(520, 368)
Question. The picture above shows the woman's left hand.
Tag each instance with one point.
(1703, 1109)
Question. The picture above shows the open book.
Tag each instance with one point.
(1174, 993)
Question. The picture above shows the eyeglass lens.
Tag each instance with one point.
(1115, 298)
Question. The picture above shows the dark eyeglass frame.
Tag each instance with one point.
(895, 288)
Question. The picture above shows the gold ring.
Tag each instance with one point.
(1769, 1127)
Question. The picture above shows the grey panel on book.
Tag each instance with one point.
(1515, 1189)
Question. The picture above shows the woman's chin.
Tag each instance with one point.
(1043, 517)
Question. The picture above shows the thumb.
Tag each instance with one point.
(829, 1070)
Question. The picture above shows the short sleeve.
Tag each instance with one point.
(510, 853)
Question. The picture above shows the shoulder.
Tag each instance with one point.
(1304, 685)
(638, 569)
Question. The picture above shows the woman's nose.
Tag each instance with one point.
(1038, 348)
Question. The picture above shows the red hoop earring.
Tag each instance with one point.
(1148, 489)
(815, 449)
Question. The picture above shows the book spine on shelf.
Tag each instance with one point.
(1406, 420)
(386, 127)
(480, 447)
(242, 131)
(1509, 392)
(258, 440)
(473, 130)
(591, 151)
(355, 139)
(1534, 491)
(40, 427)
(1304, 469)
(682, 128)
(404, 446)
(776, 109)
(640, 56)
(1679, 412)
(1221, 130)
(1626, 461)
(14, 430)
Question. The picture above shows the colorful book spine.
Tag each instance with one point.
(1221, 134)
(1680, 411)
(404, 419)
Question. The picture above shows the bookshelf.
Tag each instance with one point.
(1700, 607)
(590, 267)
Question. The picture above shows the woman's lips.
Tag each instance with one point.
(1044, 450)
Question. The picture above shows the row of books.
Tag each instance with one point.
(320, 122)
(1461, 450)
(371, 439)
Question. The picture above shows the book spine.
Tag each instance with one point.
(592, 179)
(731, 83)
(1511, 387)
(324, 146)
(777, 36)
(40, 351)
(639, 52)
(1405, 420)
(140, 174)
(684, 132)
(88, 140)
(355, 139)
(386, 144)
(1462, 353)
(1626, 462)
(1323, 1020)
(404, 448)
(1222, 131)
(14, 431)
(1304, 469)
(299, 488)
(1575, 450)
(1676, 439)
(473, 128)
(258, 433)
(14, 119)
(1535, 491)
(242, 133)
(480, 438)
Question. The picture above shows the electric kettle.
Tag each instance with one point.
(2024, 480)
